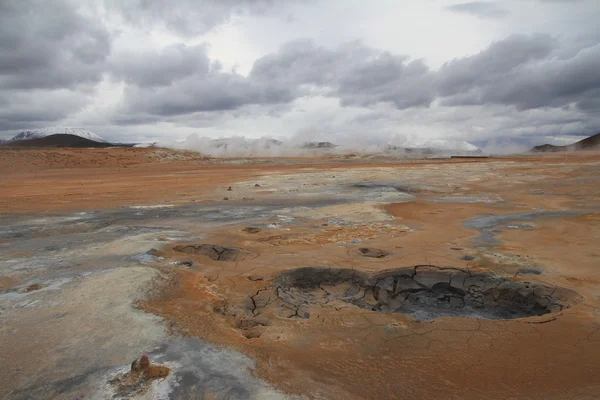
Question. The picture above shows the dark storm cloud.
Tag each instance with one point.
(49, 45)
(50, 58)
(354, 73)
(303, 62)
(387, 79)
(161, 68)
(523, 72)
(493, 63)
(38, 108)
(215, 91)
(479, 9)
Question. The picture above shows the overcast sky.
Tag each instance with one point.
(505, 72)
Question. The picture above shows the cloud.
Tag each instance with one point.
(521, 71)
(38, 108)
(160, 68)
(479, 9)
(210, 92)
(188, 17)
(354, 73)
(49, 45)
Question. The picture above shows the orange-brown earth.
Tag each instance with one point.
(349, 352)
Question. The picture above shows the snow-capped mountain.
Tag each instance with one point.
(40, 133)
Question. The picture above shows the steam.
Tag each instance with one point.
(299, 146)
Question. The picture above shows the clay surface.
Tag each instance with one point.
(327, 278)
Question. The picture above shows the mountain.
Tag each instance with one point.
(590, 143)
(318, 145)
(58, 140)
(41, 133)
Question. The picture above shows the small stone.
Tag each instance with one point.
(467, 258)
(257, 185)
(144, 362)
(31, 288)
(229, 189)
(225, 198)
(251, 229)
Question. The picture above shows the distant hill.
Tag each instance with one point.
(40, 133)
(59, 140)
(590, 143)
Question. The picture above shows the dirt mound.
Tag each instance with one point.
(59, 140)
(424, 292)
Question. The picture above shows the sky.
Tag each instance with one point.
(502, 74)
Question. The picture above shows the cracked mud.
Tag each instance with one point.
(424, 292)
(217, 253)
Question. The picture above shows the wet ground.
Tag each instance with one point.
(425, 280)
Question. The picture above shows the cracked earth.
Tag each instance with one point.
(316, 279)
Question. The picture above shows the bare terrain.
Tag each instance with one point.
(312, 278)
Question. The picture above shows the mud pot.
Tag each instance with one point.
(424, 292)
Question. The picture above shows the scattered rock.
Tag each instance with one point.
(251, 229)
(137, 381)
(229, 189)
(225, 198)
(467, 258)
(257, 185)
(456, 248)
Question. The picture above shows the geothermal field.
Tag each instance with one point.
(154, 273)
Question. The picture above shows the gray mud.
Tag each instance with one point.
(424, 292)
(489, 225)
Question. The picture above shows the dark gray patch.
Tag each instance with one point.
(215, 252)
(530, 271)
(373, 253)
(424, 292)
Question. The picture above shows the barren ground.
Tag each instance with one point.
(361, 278)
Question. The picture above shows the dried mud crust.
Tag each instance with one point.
(217, 253)
(424, 292)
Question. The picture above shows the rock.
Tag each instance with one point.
(184, 263)
(373, 253)
(144, 362)
(225, 198)
(31, 288)
(229, 189)
(251, 229)
(257, 185)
